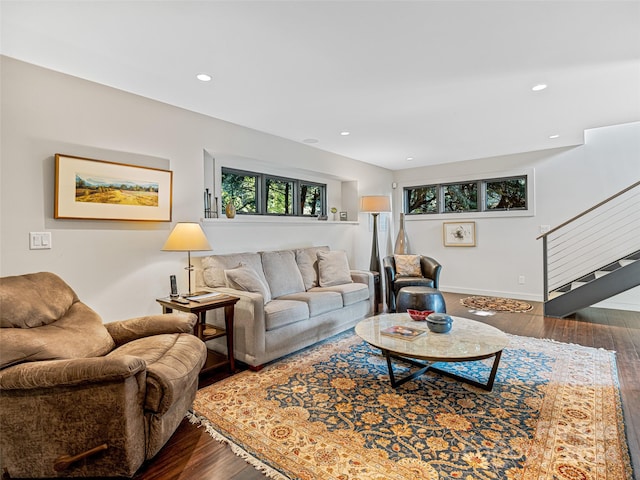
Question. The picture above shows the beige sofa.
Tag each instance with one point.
(289, 299)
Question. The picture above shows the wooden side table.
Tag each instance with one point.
(206, 331)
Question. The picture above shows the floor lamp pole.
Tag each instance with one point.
(374, 265)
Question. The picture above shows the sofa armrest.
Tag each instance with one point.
(362, 276)
(249, 324)
(125, 331)
(70, 372)
(366, 277)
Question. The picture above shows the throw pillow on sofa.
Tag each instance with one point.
(333, 268)
(246, 278)
(282, 272)
(307, 260)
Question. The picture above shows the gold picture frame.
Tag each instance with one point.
(459, 234)
(101, 190)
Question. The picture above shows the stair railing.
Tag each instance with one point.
(600, 235)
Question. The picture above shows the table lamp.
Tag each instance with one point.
(375, 204)
(187, 237)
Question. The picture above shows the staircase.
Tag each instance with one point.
(593, 256)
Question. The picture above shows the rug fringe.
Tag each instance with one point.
(201, 421)
(551, 340)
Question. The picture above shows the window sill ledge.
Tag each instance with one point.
(255, 219)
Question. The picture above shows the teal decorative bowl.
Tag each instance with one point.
(439, 322)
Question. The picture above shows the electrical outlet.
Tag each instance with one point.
(521, 280)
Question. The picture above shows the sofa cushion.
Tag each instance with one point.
(247, 279)
(282, 273)
(319, 302)
(307, 260)
(333, 268)
(278, 313)
(408, 265)
(214, 266)
(351, 292)
(173, 363)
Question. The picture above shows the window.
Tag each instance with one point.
(460, 197)
(279, 195)
(241, 189)
(422, 199)
(312, 199)
(487, 195)
(506, 194)
(261, 194)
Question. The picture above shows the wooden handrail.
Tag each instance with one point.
(621, 192)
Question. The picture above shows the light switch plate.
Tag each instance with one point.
(39, 240)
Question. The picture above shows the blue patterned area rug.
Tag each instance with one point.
(329, 412)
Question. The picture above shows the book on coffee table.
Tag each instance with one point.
(403, 332)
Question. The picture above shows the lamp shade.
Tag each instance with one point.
(375, 203)
(185, 237)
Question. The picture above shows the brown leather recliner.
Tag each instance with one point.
(79, 398)
(429, 267)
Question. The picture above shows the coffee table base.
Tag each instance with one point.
(426, 367)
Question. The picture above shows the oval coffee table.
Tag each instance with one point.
(412, 342)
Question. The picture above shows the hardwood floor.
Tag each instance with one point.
(192, 453)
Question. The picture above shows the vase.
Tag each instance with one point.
(402, 241)
(230, 210)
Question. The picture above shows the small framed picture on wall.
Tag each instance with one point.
(459, 234)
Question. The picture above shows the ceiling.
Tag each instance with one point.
(434, 81)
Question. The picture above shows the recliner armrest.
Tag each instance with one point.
(70, 372)
(124, 331)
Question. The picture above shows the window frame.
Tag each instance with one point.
(261, 193)
(482, 209)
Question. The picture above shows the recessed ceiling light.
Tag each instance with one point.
(345, 133)
(409, 158)
(310, 140)
(537, 88)
(203, 77)
(554, 136)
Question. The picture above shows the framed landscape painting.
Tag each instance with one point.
(459, 234)
(101, 190)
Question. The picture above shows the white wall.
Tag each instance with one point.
(567, 181)
(116, 267)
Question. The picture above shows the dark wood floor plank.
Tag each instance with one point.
(192, 453)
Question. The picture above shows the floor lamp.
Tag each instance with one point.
(187, 237)
(375, 204)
